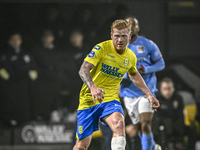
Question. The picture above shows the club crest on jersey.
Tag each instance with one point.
(91, 54)
(126, 62)
(140, 49)
(80, 129)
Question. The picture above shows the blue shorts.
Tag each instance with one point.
(88, 119)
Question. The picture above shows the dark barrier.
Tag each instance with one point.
(5, 136)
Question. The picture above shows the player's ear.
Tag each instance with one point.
(111, 35)
(130, 35)
(138, 28)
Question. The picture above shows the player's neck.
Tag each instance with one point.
(120, 51)
(133, 38)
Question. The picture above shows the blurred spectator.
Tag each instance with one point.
(48, 57)
(51, 18)
(51, 65)
(16, 62)
(78, 46)
(168, 123)
(17, 67)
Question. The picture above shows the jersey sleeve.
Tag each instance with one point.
(155, 53)
(95, 55)
(133, 68)
(156, 56)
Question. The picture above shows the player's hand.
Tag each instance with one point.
(141, 69)
(154, 102)
(97, 93)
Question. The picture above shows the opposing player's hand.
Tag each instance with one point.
(141, 69)
(154, 102)
(97, 93)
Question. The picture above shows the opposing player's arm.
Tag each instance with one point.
(139, 82)
(157, 59)
(158, 65)
(84, 73)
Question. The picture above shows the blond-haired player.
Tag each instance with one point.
(102, 71)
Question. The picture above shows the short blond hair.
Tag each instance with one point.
(121, 24)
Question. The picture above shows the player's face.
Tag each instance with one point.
(48, 39)
(120, 39)
(76, 39)
(167, 89)
(15, 41)
(134, 25)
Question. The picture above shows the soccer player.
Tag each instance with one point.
(149, 61)
(102, 71)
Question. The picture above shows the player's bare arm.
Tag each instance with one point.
(139, 82)
(84, 73)
(86, 77)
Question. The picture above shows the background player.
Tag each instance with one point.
(102, 71)
(138, 107)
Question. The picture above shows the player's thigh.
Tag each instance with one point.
(145, 110)
(131, 105)
(146, 117)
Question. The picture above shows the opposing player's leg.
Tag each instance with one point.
(146, 115)
(131, 105)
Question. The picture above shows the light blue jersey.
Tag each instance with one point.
(146, 51)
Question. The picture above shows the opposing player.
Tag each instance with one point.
(138, 107)
(102, 71)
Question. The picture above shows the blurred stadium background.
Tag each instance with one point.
(173, 25)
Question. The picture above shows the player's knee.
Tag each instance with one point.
(130, 130)
(82, 146)
(119, 128)
(120, 124)
(146, 126)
